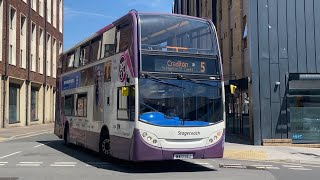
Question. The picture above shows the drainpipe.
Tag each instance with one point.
(45, 61)
(5, 76)
(28, 61)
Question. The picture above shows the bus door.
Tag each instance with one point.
(124, 125)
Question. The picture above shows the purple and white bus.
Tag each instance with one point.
(146, 87)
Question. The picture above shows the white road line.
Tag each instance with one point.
(30, 133)
(62, 165)
(301, 169)
(261, 165)
(30, 165)
(199, 163)
(65, 163)
(209, 166)
(292, 166)
(232, 164)
(10, 155)
(41, 145)
(3, 162)
(38, 145)
(30, 162)
(21, 137)
(272, 168)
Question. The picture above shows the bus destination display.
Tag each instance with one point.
(183, 66)
(179, 65)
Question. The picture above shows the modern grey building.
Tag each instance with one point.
(271, 51)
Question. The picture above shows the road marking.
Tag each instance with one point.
(21, 137)
(63, 164)
(41, 145)
(200, 163)
(29, 165)
(261, 165)
(3, 162)
(301, 169)
(272, 168)
(10, 155)
(30, 162)
(292, 166)
(30, 133)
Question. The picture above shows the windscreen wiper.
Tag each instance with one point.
(148, 76)
(195, 81)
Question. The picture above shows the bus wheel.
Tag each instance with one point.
(66, 136)
(104, 147)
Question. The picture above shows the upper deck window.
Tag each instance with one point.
(179, 34)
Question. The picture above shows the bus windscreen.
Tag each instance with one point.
(177, 34)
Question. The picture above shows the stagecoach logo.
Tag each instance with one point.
(181, 133)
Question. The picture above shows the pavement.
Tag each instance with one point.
(25, 131)
(301, 155)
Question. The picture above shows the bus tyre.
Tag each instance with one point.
(66, 136)
(104, 147)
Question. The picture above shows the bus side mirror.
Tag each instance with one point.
(233, 89)
(125, 91)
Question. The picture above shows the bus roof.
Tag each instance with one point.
(110, 26)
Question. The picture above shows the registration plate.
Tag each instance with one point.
(183, 156)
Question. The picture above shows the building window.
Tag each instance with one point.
(69, 105)
(21, 58)
(82, 105)
(12, 18)
(22, 25)
(41, 7)
(231, 43)
(49, 55)
(34, 4)
(54, 59)
(14, 103)
(11, 54)
(34, 103)
(245, 33)
(49, 11)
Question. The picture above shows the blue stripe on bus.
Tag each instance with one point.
(159, 119)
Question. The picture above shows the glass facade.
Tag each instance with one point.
(14, 102)
(305, 115)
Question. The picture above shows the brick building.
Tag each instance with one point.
(32, 37)
(270, 52)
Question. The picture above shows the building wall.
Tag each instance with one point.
(30, 75)
(285, 39)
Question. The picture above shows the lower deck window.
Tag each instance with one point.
(82, 105)
(69, 105)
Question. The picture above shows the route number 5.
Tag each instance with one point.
(203, 67)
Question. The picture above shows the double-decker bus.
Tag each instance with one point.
(146, 87)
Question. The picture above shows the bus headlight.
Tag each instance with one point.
(215, 137)
(150, 138)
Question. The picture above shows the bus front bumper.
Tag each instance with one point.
(141, 151)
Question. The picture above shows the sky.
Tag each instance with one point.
(85, 17)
